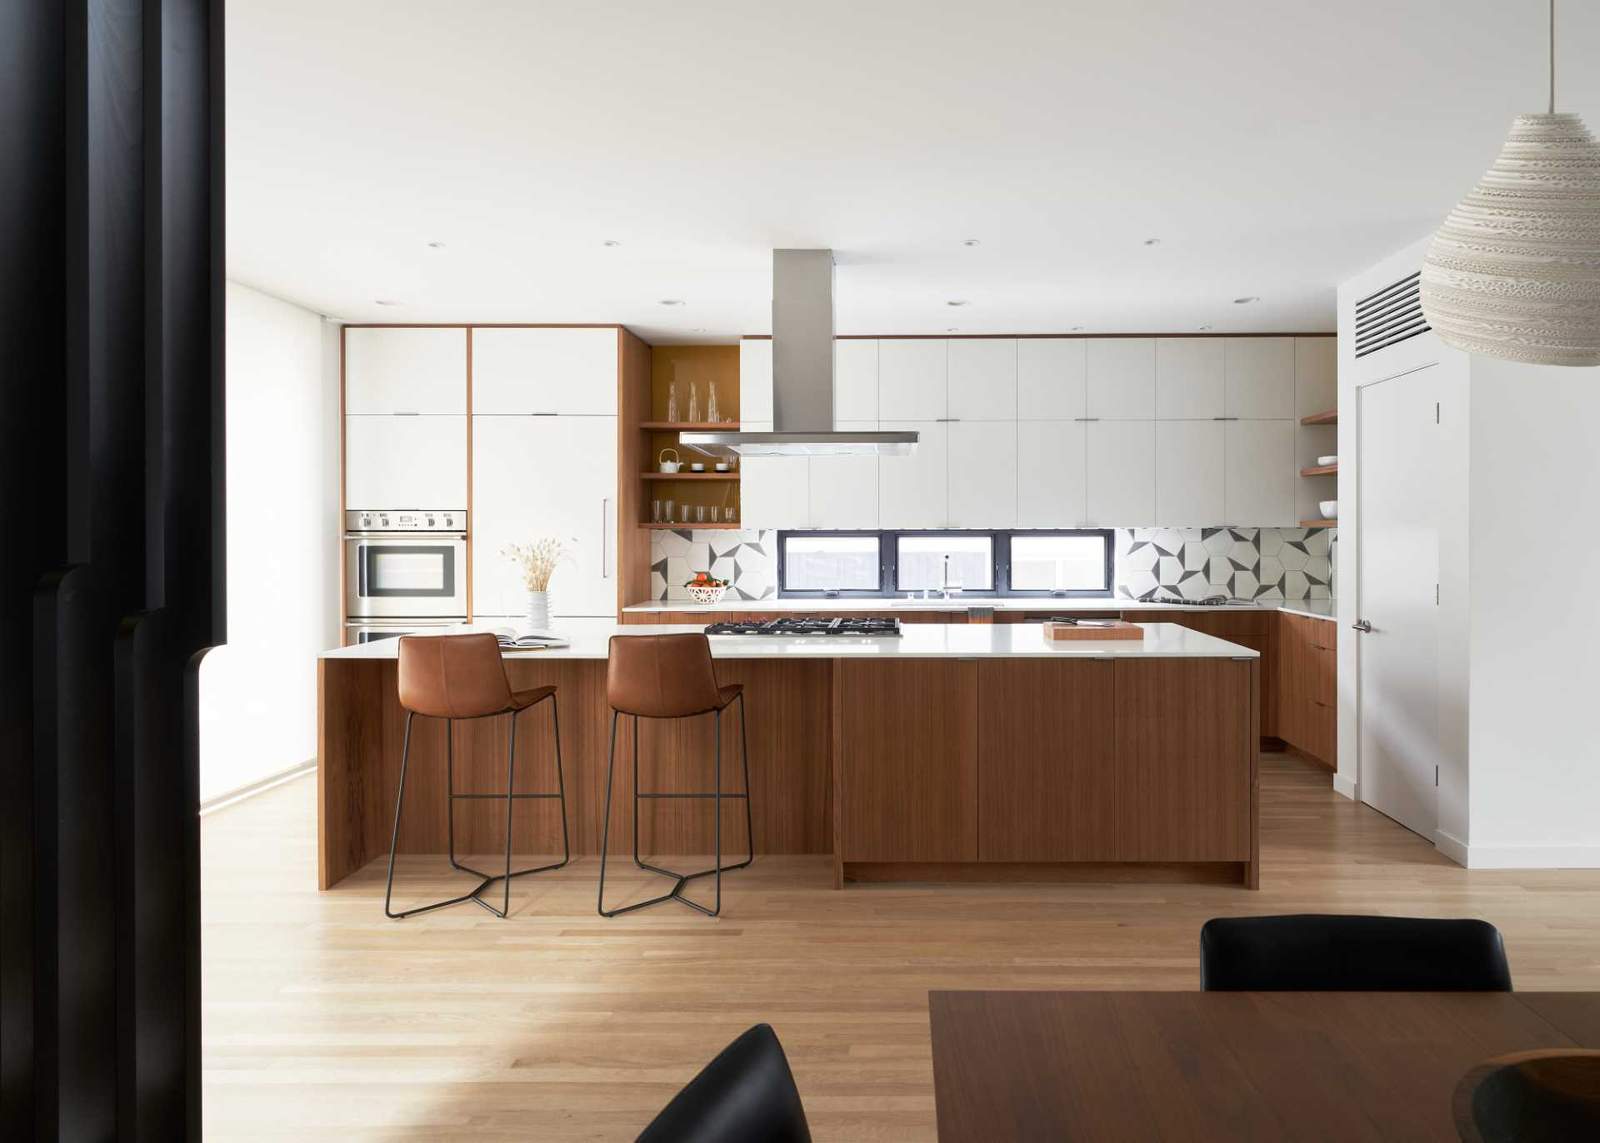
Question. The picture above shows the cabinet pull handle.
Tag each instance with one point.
(1224, 418)
(605, 546)
(1086, 418)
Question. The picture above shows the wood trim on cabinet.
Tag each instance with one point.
(1038, 336)
(633, 406)
(339, 610)
(471, 516)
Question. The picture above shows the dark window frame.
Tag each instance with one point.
(1000, 556)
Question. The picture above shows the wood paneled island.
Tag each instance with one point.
(955, 752)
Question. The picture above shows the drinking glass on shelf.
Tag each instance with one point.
(700, 514)
(727, 514)
(666, 512)
(694, 403)
(655, 511)
(672, 401)
(683, 510)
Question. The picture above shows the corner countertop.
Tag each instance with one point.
(590, 639)
(1314, 608)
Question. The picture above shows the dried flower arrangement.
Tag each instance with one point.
(538, 560)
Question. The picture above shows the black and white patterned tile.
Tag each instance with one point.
(748, 560)
(1244, 563)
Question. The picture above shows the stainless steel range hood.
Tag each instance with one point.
(802, 373)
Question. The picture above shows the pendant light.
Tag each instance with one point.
(1514, 272)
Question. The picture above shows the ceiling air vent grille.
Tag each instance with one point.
(1390, 316)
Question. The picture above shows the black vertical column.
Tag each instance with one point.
(110, 554)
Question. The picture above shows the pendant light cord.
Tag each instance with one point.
(1552, 57)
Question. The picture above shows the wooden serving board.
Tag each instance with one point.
(1120, 629)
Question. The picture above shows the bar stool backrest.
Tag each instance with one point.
(453, 676)
(662, 676)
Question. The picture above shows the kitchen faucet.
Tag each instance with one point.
(945, 586)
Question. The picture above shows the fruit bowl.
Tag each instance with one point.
(707, 593)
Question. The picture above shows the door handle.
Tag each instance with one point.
(1362, 626)
(605, 544)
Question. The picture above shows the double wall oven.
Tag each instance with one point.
(404, 571)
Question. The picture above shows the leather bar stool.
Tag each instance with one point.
(457, 677)
(671, 676)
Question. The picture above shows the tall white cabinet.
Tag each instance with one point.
(405, 426)
(1055, 433)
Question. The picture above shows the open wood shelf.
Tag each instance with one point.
(689, 426)
(1320, 470)
(692, 527)
(1331, 417)
(689, 475)
(1319, 523)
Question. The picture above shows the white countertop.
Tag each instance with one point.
(1315, 608)
(590, 639)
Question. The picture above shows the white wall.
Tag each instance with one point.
(258, 691)
(1535, 627)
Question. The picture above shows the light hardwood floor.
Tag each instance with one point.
(324, 1020)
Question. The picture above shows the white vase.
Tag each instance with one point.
(538, 611)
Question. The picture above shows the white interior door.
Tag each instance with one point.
(1397, 587)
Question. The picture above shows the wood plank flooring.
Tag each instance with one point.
(325, 1021)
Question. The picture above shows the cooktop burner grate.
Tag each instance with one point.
(809, 626)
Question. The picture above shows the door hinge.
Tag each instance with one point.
(1436, 412)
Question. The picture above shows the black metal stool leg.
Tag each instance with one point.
(749, 819)
(394, 842)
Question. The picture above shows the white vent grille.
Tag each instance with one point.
(1390, 316)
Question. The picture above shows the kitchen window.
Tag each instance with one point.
(841, 563)
(1059, 564)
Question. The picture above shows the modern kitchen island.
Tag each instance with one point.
(950, 752)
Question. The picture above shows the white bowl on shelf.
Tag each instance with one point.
(1329, 509)
(1325, 460)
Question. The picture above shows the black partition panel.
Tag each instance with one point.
(111, 554)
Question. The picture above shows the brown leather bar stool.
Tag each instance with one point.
(670, 676)
(463, 677)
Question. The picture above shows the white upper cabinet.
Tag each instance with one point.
(1316, 375)
(1050, 378)
(1121, 374)
(755, 383)
(1190, 473)
(774, 491)
(844, 489)
(1051, 474)
(1189, 378)
(572, 371)
(912, 490)
(405, 370)
(855, 382)
(1121, 473)
(982, 379)
(545, 476)
(1260, 474)
(982, 472)
(912, 378)
(1260, 377)
(405, 462)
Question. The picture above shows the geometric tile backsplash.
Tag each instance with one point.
(1247, 563)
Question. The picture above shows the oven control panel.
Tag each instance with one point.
(405, 520)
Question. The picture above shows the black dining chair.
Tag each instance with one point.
(1321, 953)
(745, 1095)
(1542, 1096)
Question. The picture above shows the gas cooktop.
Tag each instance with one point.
(1208, 601)
(793, 627)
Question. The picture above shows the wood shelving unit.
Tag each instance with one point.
(1319, 523)
(698, 367)
(690, 426)
(688, 476)
(1320, 470)
(1331, 417)
(692, 527)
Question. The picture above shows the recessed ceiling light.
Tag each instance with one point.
(951, 328)
(957, 302)
(1246, 300)
(1204, 328)
(1152, 242)
(698, 329)
(385, 302)
(611, 242)
(670, 302)
(436, 246)
(969, 242)
(1075, 329)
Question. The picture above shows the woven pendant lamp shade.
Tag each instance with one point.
(1514, 272)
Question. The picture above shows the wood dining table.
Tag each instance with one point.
(1227, 1065)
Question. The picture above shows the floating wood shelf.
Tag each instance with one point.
(690, 426)
(1320, 470)
(692, 527)
(1331, 417)
(1319, 523)
(689, 475)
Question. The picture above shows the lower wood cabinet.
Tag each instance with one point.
(907, 757)
(1307, 669)
(1256, 630)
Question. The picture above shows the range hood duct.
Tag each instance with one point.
(802, 373)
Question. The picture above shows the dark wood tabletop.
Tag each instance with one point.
(1227, 1065)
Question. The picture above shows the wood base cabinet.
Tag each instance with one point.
(1307, 670)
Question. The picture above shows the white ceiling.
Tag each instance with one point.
(1274, 146)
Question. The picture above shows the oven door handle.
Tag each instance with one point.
(361, 570)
